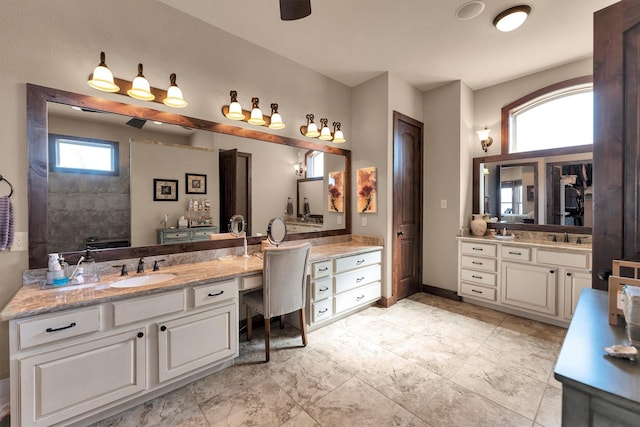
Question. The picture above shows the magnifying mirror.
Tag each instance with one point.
(237, 226)
(276, 231)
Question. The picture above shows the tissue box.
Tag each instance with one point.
(183, 223)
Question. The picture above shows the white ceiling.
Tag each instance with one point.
(420, 41)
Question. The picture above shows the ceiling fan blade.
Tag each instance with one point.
(291, 10)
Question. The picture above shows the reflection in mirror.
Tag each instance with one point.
(570, 193)
(105, 214)
(509, 193)
(277, 231)
(237, 226)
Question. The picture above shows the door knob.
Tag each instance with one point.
(400, 233)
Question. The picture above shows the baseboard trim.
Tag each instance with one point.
(444, 293)
(387, 302)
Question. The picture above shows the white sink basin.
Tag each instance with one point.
(149, 279)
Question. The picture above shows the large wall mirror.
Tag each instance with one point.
(546, 190)
(167, 163)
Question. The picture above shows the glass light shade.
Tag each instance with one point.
(140, 89)
(485, 171)
(325, 134)
(511, 18)
(174, 98)
(312, 131)
(276, 121)
(102, 79)
(483, 134)
(235, 111)
(256, 117)
(338, 137)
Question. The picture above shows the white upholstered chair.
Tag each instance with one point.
(284, 287)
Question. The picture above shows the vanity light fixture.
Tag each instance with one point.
(276, 118)
(256, 113)
(485, 171)
(324, 134)
(233, 111)
(102, 77)
(140, 88)
(174, 94)
(338, 136)
(311, 128)
(512, 18)
(485, 139)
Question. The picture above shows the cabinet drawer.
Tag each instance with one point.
(353, 279)
(56, 327)
(202, 234)
(478, 263)
(357, 261)
(176, 235)
(567, 259)
(480, 277)
(357, 297)
(321, 310)
(214, 293)
(145, 308)
(322, 269)
(321, 289)
(251, 282)
(483, 249)
(516, 252)
(478, 291)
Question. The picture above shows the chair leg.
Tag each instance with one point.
(249, 324)
(303, 327)
(282, 319)
(267, 341)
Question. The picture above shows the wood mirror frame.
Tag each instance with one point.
(37, 138)
(521, 157)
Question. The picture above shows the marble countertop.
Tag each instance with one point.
(583, 247)
(31, 300)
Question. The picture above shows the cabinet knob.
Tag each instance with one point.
(569, 274)
(552, 271)
(140, 334)
(163, 328)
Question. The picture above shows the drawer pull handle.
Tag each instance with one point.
(476, 263)
(569, 274)
(360, 261)
(326, 288)
(359, 298)
(477, 249)
(163, 328)
(70, 325)
(323, 269)
(359, 279)
(552, 271)
(477, 277)
(476, 291)
(323, 311)
(216, 294)
(140, 334)
(515, 253)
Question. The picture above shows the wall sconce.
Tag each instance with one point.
(299, 168)
(234, 111)
(102, 79)
(485, 139)
(325, 134)
(512, 18)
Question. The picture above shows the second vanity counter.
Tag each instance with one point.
(31, 300)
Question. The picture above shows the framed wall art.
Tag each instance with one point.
(367, 195)
(196, 183)
(165, 190)
(336, 191)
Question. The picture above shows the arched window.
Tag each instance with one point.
(557, 116)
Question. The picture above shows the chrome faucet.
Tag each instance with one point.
(140, 266)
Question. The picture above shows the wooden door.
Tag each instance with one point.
(235, 187)
(407, 205)
(616, 150)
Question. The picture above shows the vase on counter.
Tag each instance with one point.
(478, 224)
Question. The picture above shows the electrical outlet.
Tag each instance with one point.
(443, 204)
(364, 221)
(339, 219)
(20, 241)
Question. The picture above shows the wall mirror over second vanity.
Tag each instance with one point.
(124, 211)
(546, 190)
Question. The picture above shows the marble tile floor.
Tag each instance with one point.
(426, 361)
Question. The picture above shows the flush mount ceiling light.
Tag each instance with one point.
(174, 94)
(469, 10)
(290, 10)
(140, 88)
(511, 18)
(102, 77)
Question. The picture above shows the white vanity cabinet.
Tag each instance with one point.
(71, 365)
(540, 281)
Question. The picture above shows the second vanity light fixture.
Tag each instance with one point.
(485, 139)
(234, 111)
(103, 80)
(325, 134)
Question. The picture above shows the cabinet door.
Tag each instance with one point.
(191, 342)
(529, 286)
(574, 282)
(69, 381)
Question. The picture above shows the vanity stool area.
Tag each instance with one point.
(82, 353)
(538, 279)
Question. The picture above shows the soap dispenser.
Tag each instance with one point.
(90, 271)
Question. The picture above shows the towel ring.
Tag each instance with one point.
(8, 183)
